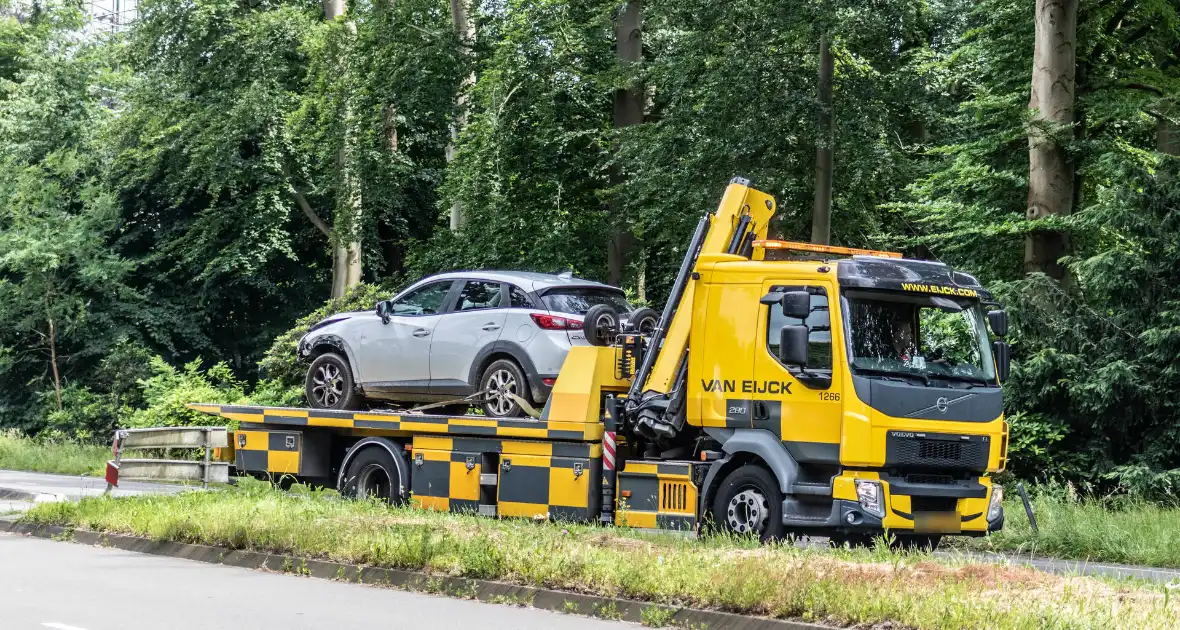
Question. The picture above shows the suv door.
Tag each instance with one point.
(395, 357)
(475, 321)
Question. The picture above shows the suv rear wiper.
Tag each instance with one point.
(891, 373)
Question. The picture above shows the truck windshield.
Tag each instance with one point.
(920, 337)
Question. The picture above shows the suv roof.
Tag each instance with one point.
(525, 279)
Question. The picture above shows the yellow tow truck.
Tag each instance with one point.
(787, 389)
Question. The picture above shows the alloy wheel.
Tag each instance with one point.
(328, 385)
(501, 383)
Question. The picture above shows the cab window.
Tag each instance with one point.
(819, 337)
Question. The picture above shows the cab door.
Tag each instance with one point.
(801, 404)
(721, 356)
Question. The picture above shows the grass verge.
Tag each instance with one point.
(1127, 531)
(67, 458)
(865, 587)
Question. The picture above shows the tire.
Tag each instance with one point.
(916, 542)
(373, 473)
(601, 325)
(503, 376)
(643, 321)
(749, 503)
(329, 384)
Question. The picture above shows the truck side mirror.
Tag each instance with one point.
(792, 345)
(998, 320)
(797, 305)
(1002, 354)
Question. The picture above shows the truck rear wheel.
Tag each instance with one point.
(749, 503)
(373, 473)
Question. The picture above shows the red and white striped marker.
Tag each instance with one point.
(608, 450)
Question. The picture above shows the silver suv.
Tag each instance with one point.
(452, 335)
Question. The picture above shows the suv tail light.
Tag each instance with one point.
(554, 322)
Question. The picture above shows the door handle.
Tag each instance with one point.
(491, 326)
(421, 332)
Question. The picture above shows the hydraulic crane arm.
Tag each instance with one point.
(657, 393)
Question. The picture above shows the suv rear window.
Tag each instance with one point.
(577, 301)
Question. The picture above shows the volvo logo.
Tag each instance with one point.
(941, 403)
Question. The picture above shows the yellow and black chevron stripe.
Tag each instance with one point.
(402, 424)
(275, 452)
(552, 480)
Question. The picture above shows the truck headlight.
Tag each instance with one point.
(995, 509)
(871, 497)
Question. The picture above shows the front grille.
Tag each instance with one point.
(935, 479)
(930, 449)
(936, 451)
(932, 504)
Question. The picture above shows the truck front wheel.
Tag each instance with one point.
(749, 503)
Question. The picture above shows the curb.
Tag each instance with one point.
(467, 588)
(32, 497)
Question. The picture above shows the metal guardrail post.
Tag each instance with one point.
(208, 459)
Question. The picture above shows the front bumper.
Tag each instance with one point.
(967, 514)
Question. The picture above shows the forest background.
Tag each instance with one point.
(179, 197)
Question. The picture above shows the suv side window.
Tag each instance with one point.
(425, 300)
(519, 298)
(479, 294)
(819, 338)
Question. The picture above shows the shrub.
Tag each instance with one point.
(280, 365)
(168, 390)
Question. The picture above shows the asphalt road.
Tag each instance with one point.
(62, 586)
(40, 487)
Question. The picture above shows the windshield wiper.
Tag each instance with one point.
(892, 373)
(962, 379)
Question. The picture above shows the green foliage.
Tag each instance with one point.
(51, 455)
(156, 187)
(281, 364)
(168, 390)
(1118, 528)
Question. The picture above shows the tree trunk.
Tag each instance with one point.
(465, 33)
(1167, 135)
(628, 111)
(347, 269)
(821, 213)
(53, 362)
(1051, 175)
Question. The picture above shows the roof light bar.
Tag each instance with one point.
(823, 249)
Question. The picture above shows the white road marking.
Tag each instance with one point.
(60, 626)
